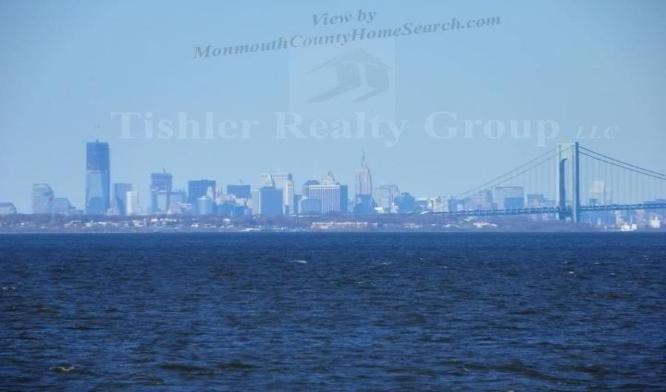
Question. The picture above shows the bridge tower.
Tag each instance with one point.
(568, 181)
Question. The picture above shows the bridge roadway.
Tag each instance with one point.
(556, 210)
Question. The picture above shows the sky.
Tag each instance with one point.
(68, 68)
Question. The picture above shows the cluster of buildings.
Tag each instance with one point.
(500, 198)
(278, 195)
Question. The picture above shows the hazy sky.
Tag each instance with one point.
(66, 66)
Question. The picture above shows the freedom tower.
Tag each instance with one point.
(97, 178)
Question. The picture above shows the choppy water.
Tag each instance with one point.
(333, 312)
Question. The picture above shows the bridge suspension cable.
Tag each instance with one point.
(618, 163)
(567, 181)
(512, 174)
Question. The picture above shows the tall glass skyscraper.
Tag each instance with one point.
(285, 182)
(98, 178)
(161, 185)
(198, 188)
(239, 191)
(270, 201)
(120, 197)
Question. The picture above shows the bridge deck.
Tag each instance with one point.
(556, 210)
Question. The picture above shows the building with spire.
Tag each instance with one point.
(363, 203)
(363, 179)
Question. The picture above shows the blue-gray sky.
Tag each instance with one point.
(66, 66)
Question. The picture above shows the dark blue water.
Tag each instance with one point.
(365, 312)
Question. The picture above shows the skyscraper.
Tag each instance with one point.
(363, 179)
(306, 187)
(120, 197)
(309, 205)
(42, 199)
(385, 196)
(61, 206)
(160, 192)
(510, 197)
(344, 198)
(482, 200)
(198, 188)
(284, 182)
(288, 196)
(364, 204)
(239, 191)
(132, 207)
(204, 205)
(331, 195)
(599, 193)
(270, 201)
(406, 203)
(98, 178)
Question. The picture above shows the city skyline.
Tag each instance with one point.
(276, 195)
(113, 195)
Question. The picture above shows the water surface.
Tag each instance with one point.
(193, 312)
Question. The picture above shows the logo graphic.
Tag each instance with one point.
(355, 70)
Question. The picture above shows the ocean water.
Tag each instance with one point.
(338, 312)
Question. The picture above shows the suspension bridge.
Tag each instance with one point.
(567, 182)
